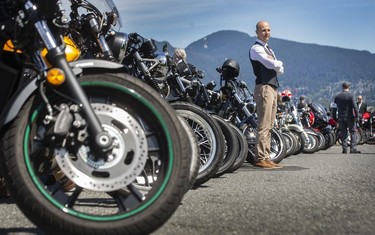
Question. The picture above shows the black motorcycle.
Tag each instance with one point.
(241, 110)
(85, 148)
(186, 83)
(321, 124)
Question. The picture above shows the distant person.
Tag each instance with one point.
(179, 58)
(347, 115)
(266, 69)
(183, 67)
(302, 102)
(362, 106)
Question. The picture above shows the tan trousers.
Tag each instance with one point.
(266, 99)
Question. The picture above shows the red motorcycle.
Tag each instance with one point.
(367, 125)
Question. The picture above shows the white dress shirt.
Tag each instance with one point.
(262, 52)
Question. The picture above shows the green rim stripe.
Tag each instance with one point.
(150, 201)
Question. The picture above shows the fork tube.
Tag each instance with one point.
(56, 56)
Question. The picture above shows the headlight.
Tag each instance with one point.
(118, 44)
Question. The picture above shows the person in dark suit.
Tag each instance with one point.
(362, 106)
(347, 116)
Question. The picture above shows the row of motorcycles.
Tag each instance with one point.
(103, 133)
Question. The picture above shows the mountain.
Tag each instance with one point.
(312, 70)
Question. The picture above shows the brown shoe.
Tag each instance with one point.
(270, 162)
(263, 164)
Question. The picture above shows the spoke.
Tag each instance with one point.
(127, 200)
(73, 198)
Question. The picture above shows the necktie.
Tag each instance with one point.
(270, 52)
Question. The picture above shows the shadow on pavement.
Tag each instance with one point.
(18, 231)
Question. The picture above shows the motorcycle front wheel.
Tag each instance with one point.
(278, 146)
(209, 136)
(63, 187)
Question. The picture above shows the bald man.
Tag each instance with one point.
(266, 68)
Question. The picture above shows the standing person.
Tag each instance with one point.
(362, 106)
(266, 69)
(347, 114)
(302, 102)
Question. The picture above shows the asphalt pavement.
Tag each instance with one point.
(322, 193)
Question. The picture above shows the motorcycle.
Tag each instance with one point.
(367, 125)
(241, 111)
(287, 120)
(143, 60)
(95, 26)
(85, 148)
(187, 84)
(320, 122)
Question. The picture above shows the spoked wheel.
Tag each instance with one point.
(209, 136)
(278, 146)
(64, 187)
(250, 133)
(195, 154)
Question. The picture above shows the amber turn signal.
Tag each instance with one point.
(55, 76)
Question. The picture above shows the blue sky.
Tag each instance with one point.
(341, 23)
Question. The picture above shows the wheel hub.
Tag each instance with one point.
(124, 162)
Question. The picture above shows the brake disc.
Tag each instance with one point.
(125, 161)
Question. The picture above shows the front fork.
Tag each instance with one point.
(56, 57)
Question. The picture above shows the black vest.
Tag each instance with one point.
(264, 75)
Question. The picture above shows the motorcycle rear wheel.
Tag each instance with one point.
(154, 157)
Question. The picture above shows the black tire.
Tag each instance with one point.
(322, 141)
(312, 145)
(364, 136)
(242, 155)
(231, 146)
(210, 139)
(329, 140)
(195, 157)
(290, 142)
(359, 134)
(300, 136)
(36, 165)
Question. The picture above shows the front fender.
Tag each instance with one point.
(90, 66)
(295, 127)
(15, 104)
(86, 66)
